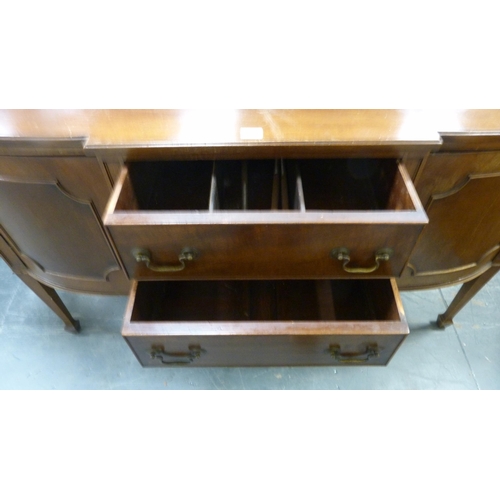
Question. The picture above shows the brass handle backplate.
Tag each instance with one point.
(144, 255)
(343, 254)
(371, 351)
(177, 358)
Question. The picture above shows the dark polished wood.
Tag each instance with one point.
(79, 196)
(49, 296)
(461, 195)
(46, 293)
(466, 292)
(259, 323)
(51, 213)
(365, 213)
(150, 128)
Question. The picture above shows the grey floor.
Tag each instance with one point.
(36, 352)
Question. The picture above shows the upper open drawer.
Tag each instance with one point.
(263, 218)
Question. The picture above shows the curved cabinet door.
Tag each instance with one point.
(461, 195)
(51, 214)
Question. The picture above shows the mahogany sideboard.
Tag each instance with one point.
(252, 237)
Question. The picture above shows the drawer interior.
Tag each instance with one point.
(365, 184)
(347, 184)
(270, 300)
(246, 185)
(180, 185)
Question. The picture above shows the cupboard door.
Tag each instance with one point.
(50, 213)
(461, 196)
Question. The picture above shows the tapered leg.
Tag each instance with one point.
(50, 297)
(466, 292)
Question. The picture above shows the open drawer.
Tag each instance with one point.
(264, 219)
(264, 323)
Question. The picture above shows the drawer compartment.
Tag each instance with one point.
(265, 323)
(264, 219)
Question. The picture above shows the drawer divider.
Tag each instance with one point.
(326, 308)
(244, 185)
(276, 187)
(213, 203)
(299, 203)
(284, 188)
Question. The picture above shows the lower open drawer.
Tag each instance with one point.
(265, 323)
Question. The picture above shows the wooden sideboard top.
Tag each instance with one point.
(101, 129)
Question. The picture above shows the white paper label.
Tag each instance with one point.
(251, 133)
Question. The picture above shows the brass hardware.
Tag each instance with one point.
(371, 351)
(143, 255)
(179, 358)
(343, 254)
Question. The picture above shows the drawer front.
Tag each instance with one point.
(263, 250)
(304, 231)
(265, 350)
(265, 323)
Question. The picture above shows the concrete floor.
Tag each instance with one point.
(36, 352)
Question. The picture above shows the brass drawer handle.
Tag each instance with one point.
(371, 351)
(343, 254)
(179, 358)
(143, 255)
